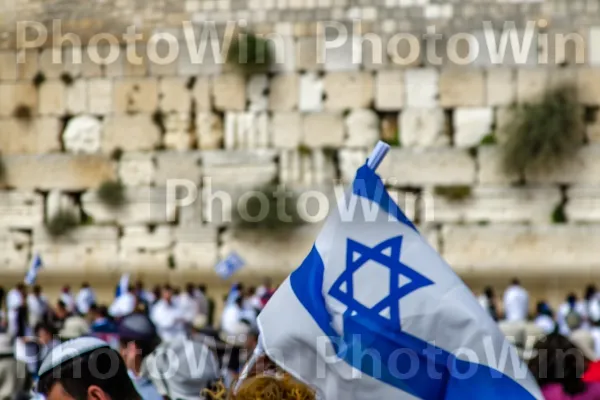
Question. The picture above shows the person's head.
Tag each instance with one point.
(21, 288)
(167, 293)
(202, 288)
(85, 285)
(489, 292)
(139, 286)
(190, 289)
(557, 360)
(44, 332)
(66, 289)
(37, 290)
(516, 282)
(572, 299)
(267, 283)
(85, 368)
(137, 337)
(543, 309)
(590, 292)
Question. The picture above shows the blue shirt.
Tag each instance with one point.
(145, 387)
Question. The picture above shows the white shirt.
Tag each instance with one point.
(169, 320)
(14, 300)
(595, 331)
(85, 298)
(37, 307)
(123, 305)
(516, 303)
(230, 319)
(67, 298)
(545, 323)
(189, 306)
(564, 310)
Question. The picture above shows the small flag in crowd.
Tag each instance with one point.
(34, 267)
(122, 286)
(229, 266)
(374, 312)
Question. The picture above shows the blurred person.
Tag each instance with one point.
(235, 291)
(15, 299)
(200, 296)
(516, 302)
(123, 305)
(249, 313)
(265, 291)
(143, 295)
(167, 316)
(570, 307)
(488, 302)
(47, 339)
(232, 316)
(59, 315)
(100, 322)
(38, 306)
(188, 304)
(210, 305)
(85, 298)
(67, 298)
(156, 294)
(85, 369)
(544, 318)
(590, 298)
(13, 373)
(2, 294)
(581, 336)
(74, 327)
(138, 339)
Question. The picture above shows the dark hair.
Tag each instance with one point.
(96, 368)
(559, 361)
(543, 308)
(189, 288)
(61, 304)
(572, 299)
(515, 281)
(85, 285)
(202, 287)
(145, 346)
(44, 326)
(590, 292)
(489, 292)
(37, 289)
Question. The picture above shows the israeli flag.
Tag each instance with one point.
(122, 286)
(230, 265)
(373, 312)
(34, 267)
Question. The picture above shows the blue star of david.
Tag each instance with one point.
(387, 254)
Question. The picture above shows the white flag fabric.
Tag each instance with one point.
(373, 312)
(34, 267)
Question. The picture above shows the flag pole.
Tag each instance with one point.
(377, 155)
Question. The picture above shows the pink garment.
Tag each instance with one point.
(554, 391)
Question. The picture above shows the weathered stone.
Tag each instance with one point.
(311, 92)
(18, 95)
(306, 169)
(543, 249)
(144, 205)
(176, 165)
(531, 83)
(57, 171)
(209, 131)
(100, 96)
(284, 59)
(11, 70)
(286, 129)
(423, 127)
(130, 133)
(142, 250)
(135, 95)
(583, 168)
(21, 209)
(137, 169)
(201, 93)
(36, 137)
(504, 116)
(83, 135)
(415, 168)
(350, 160)
(284, 92)
(174, 95)
(362, 128)
(256, 91)
(15, 248)
(306, 54)
(493, 204)
(323, 130)
(489, 159)
(421, 86)
(57, 201)
(222, 168)
(50, 62)
(471, 125)
(582, 204)
(592, 131)
(589, 86)
(347, 90)
(462, 88)
(53, 98)
(196, 62)
(196, 248)
(342, 57)
(246, 130)
(501, 87)
(389, 90)
(178, 135)
(90, 68)
(229, 92)
(77, 97)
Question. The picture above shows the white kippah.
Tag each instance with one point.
(69, 350)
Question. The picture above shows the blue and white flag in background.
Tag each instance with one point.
(122, 286)
(373, 312)
(230, 265)
(34, 267)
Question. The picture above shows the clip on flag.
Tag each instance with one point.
(374, 312)
(230, 265)
(34, 267)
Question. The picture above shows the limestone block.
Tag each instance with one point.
(462, 88)
(11, 70)
(471, 125)
(21, 209)
(222, 168)
(584, 168)
(57, 201)
(209, 130)
(160, 64)
(36, 137)
(350, 160)
(77, 97)
(284, 51)
(501, 87)
(53, 98)
(141, 249)
(176, 165)
(100, 96)
(489, 160)
(421, 86)
(284, 92)
(592, 131)
(57, 171)
(17, 94)
(15, 247)
(136, 169)
(323, 130)
(307, 54)
(195, 61)
(504, 116)
(196, 248)
(516, 248)
(135, 95)
(201, 93)
(307, 169)
(362, 128)
(130, 133)
(493, 204)
(311, 92)
(256, 91)
(51, 62)
(87, 249)
(389, 90)
(229, 92)
(342, 57)
(83, 135)
(583, 204)
(247, 130)
(174, 95)
(178, 135)
(408, 167)
(144, 205)
(423, 127)
(286, 130)
(346, 90)
(531, 83)
(588, 86)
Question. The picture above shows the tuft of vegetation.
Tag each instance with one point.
(171, 261)
(544, 134)
(66, 78)
(304, 150)
(112, 194)
(558, 215)
(489, 139)
(158, 118)
(330, 152)
(116, 154)
(2, 170)
(38, 79)
(23, 112)
(453, 193)
(393, 141)
(61, 223)
(250, 54)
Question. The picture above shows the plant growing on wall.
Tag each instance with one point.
(453, 193)
(112, 194)
(250, 53)
(23, 112)
(544, 134)
(61, 223)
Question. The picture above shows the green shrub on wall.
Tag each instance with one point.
(112, 194)
(250, 54)
(61, 223)
(544, 134)
(453, 193)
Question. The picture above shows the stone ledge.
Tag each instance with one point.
(21, 209)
